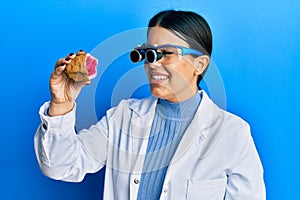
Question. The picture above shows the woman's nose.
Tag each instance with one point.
(155, 64)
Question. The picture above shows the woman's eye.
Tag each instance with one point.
(164, 52)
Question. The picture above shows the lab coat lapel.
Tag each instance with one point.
(141, 122)
(202, 131)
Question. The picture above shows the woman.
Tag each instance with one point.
(176, 144)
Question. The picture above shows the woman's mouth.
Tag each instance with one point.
(158, 78)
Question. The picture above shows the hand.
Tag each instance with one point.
(64, 90)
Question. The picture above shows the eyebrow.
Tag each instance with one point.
(148, 45)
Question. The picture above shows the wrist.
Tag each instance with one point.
(57, 109)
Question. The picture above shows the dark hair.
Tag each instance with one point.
(189, 26)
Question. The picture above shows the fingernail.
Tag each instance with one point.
(71, 54)
(81, 50)
(62, 64)
(67, 59)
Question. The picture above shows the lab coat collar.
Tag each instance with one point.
(205, 110)
(203, 129)
(210, 125)
(143, 106)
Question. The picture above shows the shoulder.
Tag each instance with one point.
(225, 128)
(235, 122)
(229, 120)
(235, 137)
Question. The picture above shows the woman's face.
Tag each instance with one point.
(174, 82)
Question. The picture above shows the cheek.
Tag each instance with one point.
(182, 73)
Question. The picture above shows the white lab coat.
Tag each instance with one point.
(216, 158)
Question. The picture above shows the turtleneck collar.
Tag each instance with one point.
(184, 110)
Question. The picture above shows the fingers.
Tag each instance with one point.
(68, 58)
(61, 63)
(80, 52)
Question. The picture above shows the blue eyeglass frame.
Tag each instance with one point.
(184, 50)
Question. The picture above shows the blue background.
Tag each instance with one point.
(256, 49)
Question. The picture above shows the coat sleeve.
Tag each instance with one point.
(63, 154)
(245, 179)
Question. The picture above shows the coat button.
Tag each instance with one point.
(165, 190)
(45, 126)
(136, 181)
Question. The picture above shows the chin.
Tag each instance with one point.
(159, 91)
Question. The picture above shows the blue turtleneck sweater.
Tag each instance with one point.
(169, 124)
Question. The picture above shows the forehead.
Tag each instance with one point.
(159, 36)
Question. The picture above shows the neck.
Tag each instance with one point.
(183, 110)
(182, 97)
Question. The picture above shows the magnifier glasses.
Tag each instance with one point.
(141, 52)
(137, 55)
(170, 53)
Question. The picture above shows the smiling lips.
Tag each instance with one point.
(158, 78)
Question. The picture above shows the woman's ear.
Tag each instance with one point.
(201, 64)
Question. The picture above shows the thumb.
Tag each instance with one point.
(58, 71)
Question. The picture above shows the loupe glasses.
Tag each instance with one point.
(166, 53)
